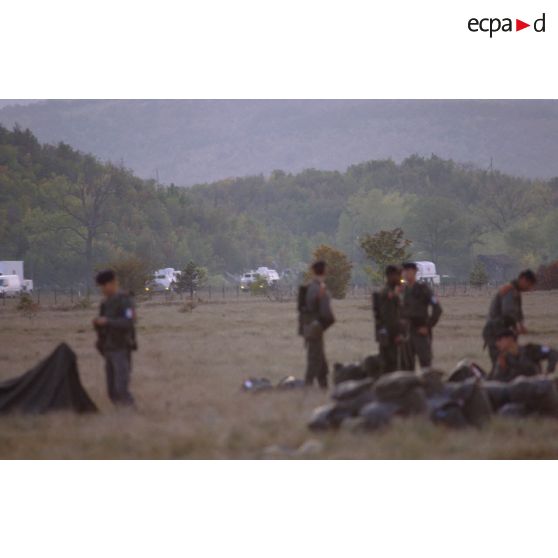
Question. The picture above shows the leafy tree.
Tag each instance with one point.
(439, 227)
(192, 278)
(338, 269)
(368, 212)
(133, 273)
(478, 276)
(384, 248)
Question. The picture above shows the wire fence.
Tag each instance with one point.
(75, 298)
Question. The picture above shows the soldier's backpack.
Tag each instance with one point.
(538, 394)
(345, 372)
(473, 399)
(328, 416)
(403, 389)
(447, 412)
(374, 415)
(351, 389)
(256, 385)
(466, 369)
(498, 393)
(372, 366)
(289, 383)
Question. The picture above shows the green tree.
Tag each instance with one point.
(384, 248)
(478, 276)
(132, 272)
(192, 278)
(441, 229)
(338, 269)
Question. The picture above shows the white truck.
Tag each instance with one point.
(270, 275)
(426, 273)
(10, 286)
(10, 269)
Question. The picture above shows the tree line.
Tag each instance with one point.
(66, 213)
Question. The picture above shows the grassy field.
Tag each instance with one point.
(188, 372)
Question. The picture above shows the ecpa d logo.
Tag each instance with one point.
(493, 25)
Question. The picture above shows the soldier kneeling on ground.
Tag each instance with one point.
(506, 311)
(116, 337)
(520, 360)
(315, 317)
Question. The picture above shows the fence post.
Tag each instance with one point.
(55, 300)
(209, 292)
(223, 291)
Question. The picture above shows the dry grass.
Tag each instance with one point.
(190, 366)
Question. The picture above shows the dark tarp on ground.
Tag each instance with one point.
(52, 385)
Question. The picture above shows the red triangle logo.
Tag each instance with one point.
(519, 25)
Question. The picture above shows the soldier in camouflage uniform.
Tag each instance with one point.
(515, 360)
(116, 337)
(386, 306)
(418, 298)
(506, 311)
(316, 317)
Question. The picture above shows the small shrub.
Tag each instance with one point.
(27, 306)
(259, 287)
(478, 276)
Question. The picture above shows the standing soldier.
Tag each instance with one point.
(315, 317)
(386, 306)
(417, 299)
(506, 311)
(116, 337)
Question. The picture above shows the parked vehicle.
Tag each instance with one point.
(426, 273)
(12, 268)
(10, 286)
(27, 286)
(269, 275)
(163, 280)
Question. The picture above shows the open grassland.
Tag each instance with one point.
(188, 372)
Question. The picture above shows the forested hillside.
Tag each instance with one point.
(64, 213)
(188, 142)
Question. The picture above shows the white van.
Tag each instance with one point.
(163, 280)
(270, 276)
(10, 286)
(426, 273)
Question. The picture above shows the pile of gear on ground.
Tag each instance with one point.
(363, 399)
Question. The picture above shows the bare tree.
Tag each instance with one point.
(82, 212)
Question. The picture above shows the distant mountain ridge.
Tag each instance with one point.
(189, 142)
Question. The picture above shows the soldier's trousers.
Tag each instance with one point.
(389, 354)
(316, 367)
(118, 366)
(417, 346)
